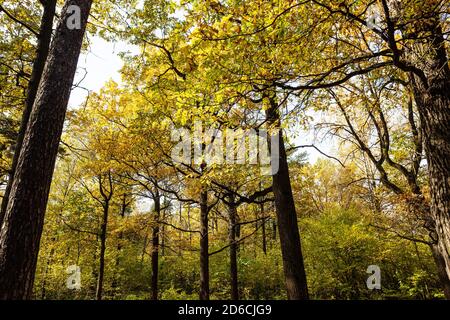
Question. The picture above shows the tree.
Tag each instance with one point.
(105, 185)
(398, 165)
(44, 37)
(29, 193)
(421, 53)
(408, 37)
(19, 21)
(287, 217)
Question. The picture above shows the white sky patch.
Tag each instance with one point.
(97, 66)
(144, 205)
(308, 136)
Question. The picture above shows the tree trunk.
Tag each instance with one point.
(93, 286)
(435, 116)
(232, 212)
(101, 268)
(264, 240)
(155, 248)
(204, 247)
(294, 270)
(23, 222)
(162, 233)
(433, 101)
(274, 230)
(123, 209)
(442, 274)
(423, 208)
(43, 47)
(189, 224)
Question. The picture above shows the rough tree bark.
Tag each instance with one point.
(293, 265)
(42, 49)
(435, 115)
(23, 222)
(442, 274)
(432, 95)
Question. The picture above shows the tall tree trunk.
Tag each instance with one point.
(232, 216)
(204, 247)
(23, 222)
(162, 234)
(435, 116)
(155, 248)
(293, 265)
(424, 208)
(189, 224)
(101, 268)
(274, 230)
(123, 209)
(43, 47)
(180, 234)
(442, 274)
(264, 239)
(93, 285)
(432, 97)
(144, 248)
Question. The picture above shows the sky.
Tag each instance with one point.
(97, 66)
